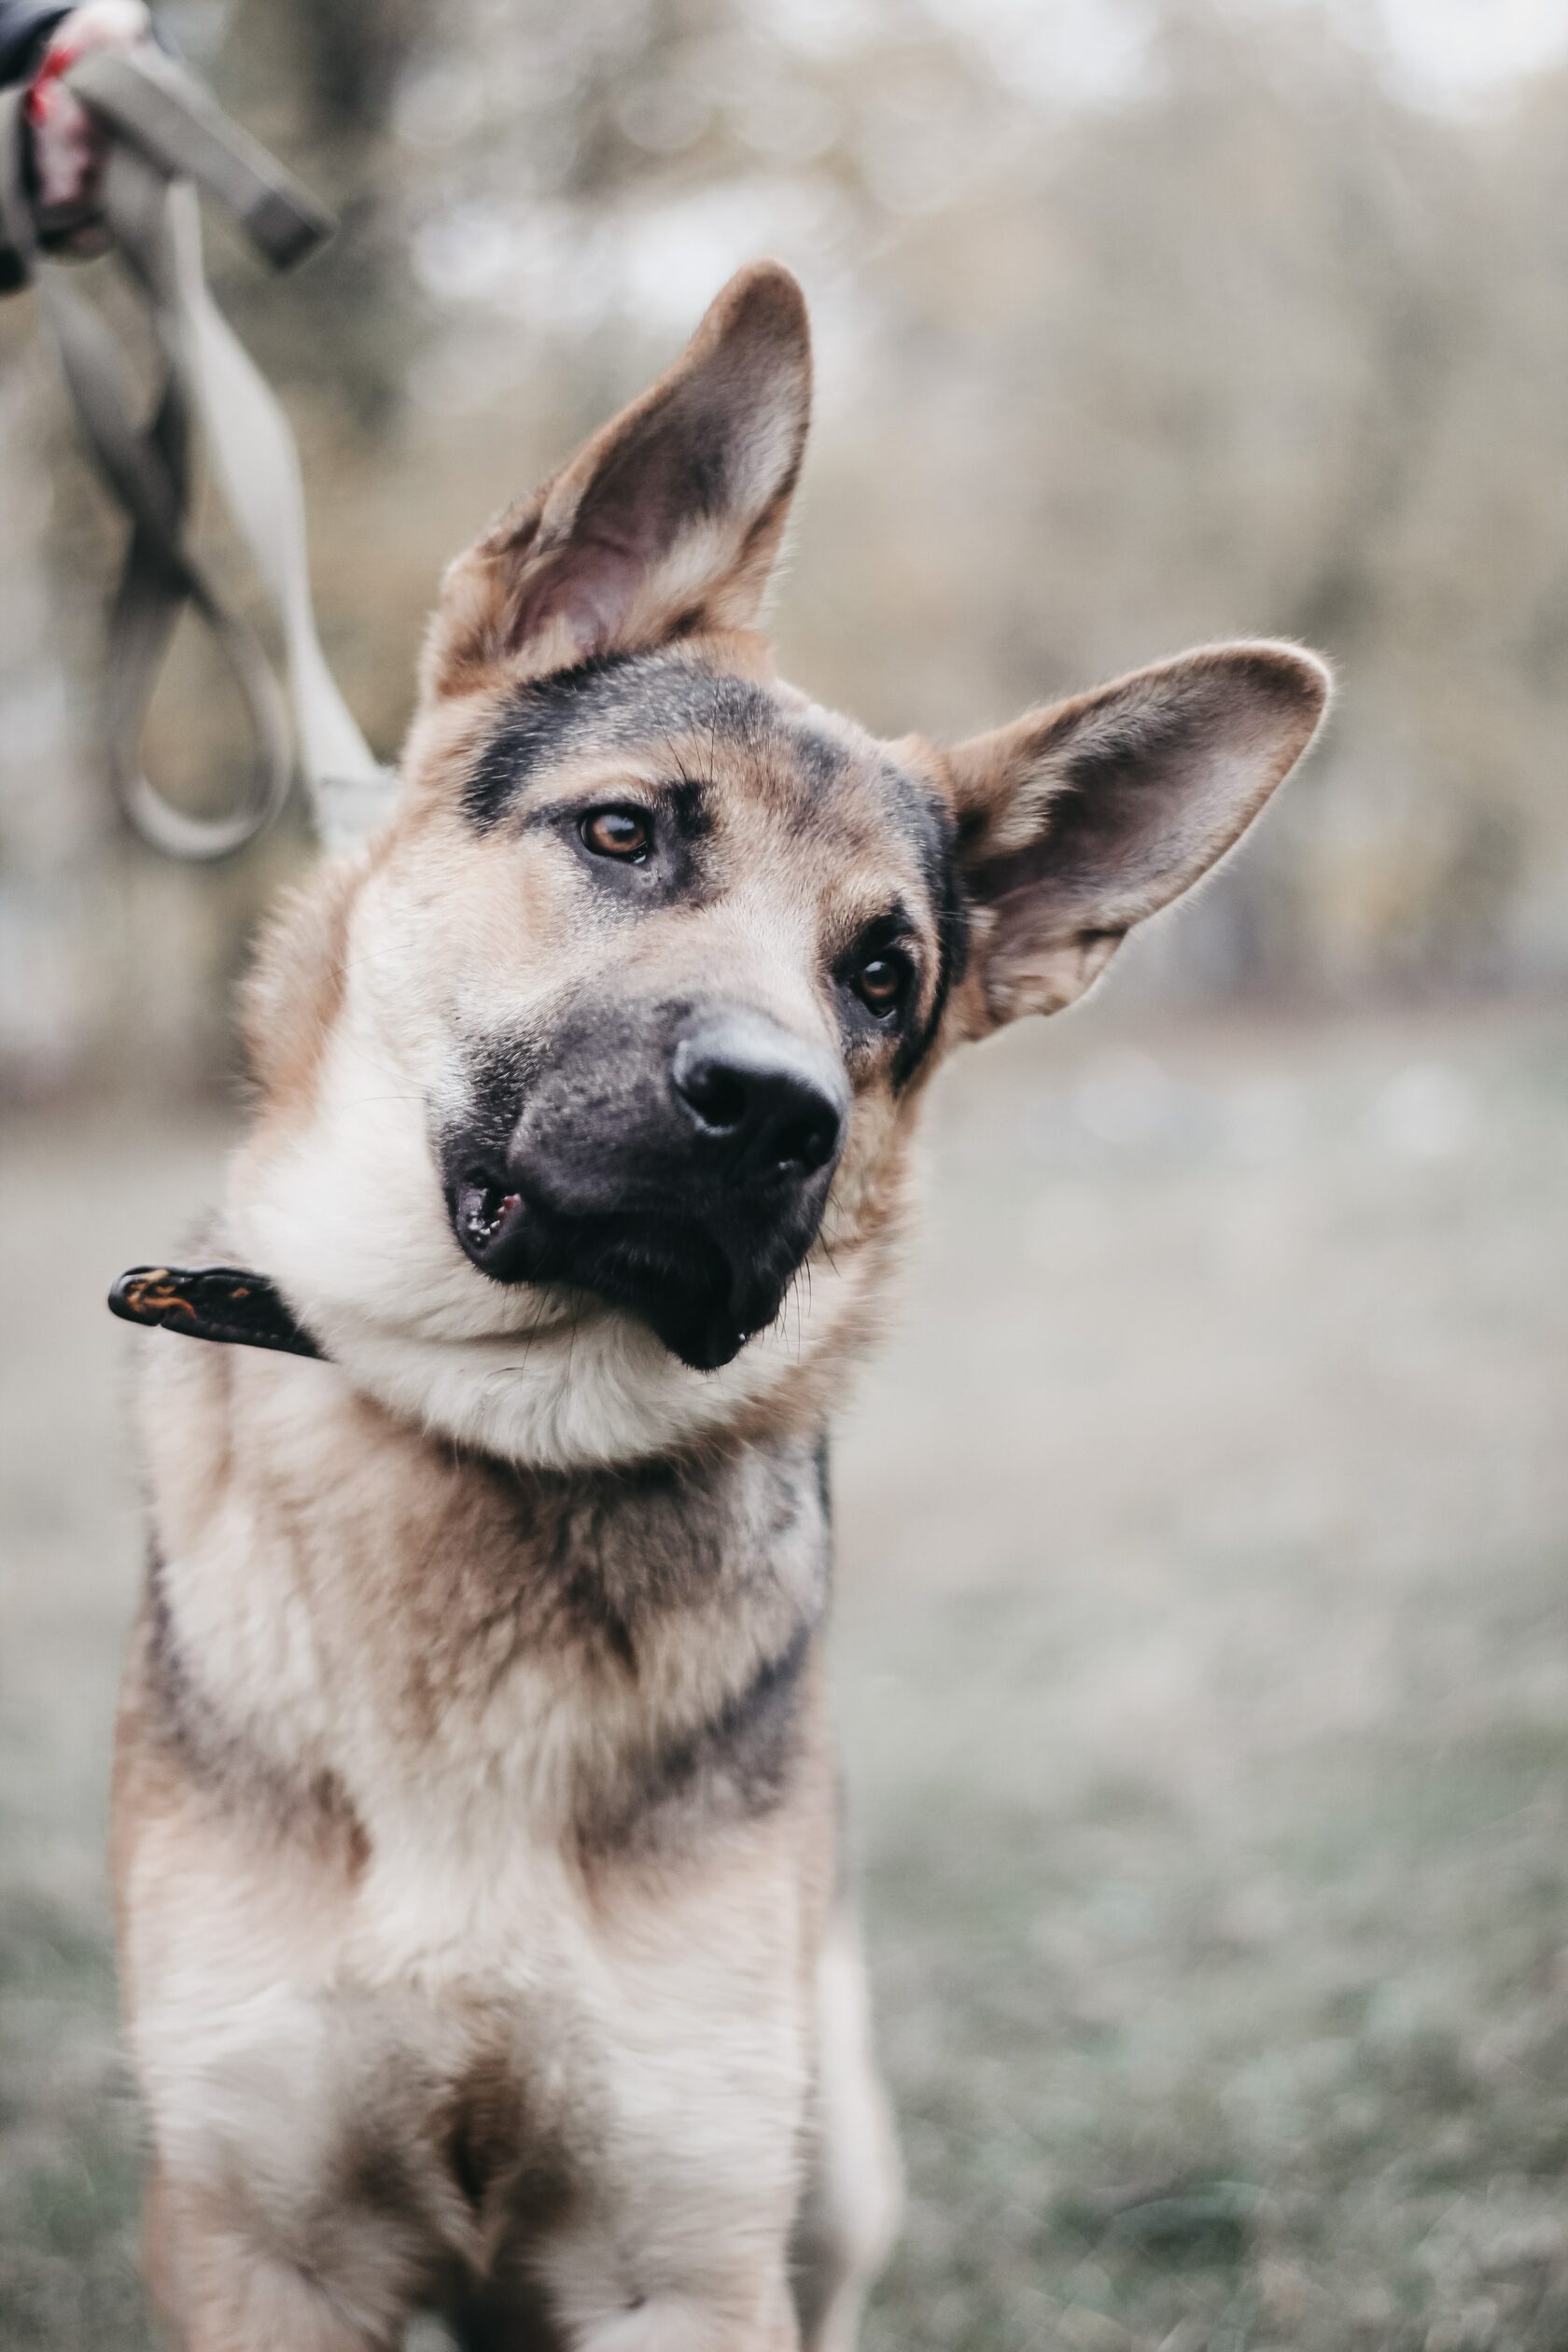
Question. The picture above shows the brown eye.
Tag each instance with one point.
(625, 834)
(880, 983)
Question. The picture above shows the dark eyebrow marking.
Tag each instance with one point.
(691, 804)
(893, 928)
(540, 718)
(940, 872)
(621, 700)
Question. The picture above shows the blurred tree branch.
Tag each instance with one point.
(1222, 332)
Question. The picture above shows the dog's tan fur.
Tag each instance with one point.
(483, 1939)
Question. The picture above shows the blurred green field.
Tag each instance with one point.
(1203, 1640)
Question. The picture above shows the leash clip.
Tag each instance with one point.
(211, 1302)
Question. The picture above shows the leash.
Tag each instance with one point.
(211, 1302)
(168, 137)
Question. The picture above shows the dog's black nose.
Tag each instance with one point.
(769, 1101)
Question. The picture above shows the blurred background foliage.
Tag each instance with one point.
(1139, 321)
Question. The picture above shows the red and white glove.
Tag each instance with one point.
(69, 146)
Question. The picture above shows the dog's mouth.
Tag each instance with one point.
(704, 1300)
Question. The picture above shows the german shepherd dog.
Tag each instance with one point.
(484, 1943)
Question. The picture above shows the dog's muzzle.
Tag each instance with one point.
(680, 1173)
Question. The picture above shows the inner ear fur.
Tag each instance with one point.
(1080, 820)
(666, 523)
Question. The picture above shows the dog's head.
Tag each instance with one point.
(587, 1089)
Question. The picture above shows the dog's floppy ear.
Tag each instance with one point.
(666, 523)
(1080, 820)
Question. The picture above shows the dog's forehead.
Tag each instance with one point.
(745, 742)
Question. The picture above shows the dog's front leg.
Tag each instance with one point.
(679, 2324)
(216, 2292)
(849, 2212)
(504, 2320)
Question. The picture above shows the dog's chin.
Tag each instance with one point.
(669, 1272)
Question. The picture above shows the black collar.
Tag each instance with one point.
(211, 1302)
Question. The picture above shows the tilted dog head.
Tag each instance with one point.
(587, 1089)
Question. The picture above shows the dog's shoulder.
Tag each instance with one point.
(336, 1604)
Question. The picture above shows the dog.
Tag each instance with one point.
(483, 1933)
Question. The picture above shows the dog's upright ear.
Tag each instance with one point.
(666, 523)
(1078, 821)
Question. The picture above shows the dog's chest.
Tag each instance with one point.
(485, 1661)
(510, 1771)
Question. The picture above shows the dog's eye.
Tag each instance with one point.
(880, 983)
(625, 834)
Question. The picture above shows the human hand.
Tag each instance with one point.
(69, 144)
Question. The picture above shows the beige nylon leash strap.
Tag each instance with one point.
(167, 133)
(148, 102)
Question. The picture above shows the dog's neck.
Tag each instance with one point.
(622, 1650)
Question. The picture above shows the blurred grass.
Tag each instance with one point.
(1283, 2065)
(68, 2195)
(1204, 1670)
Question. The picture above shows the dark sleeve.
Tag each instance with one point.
(26, 25)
